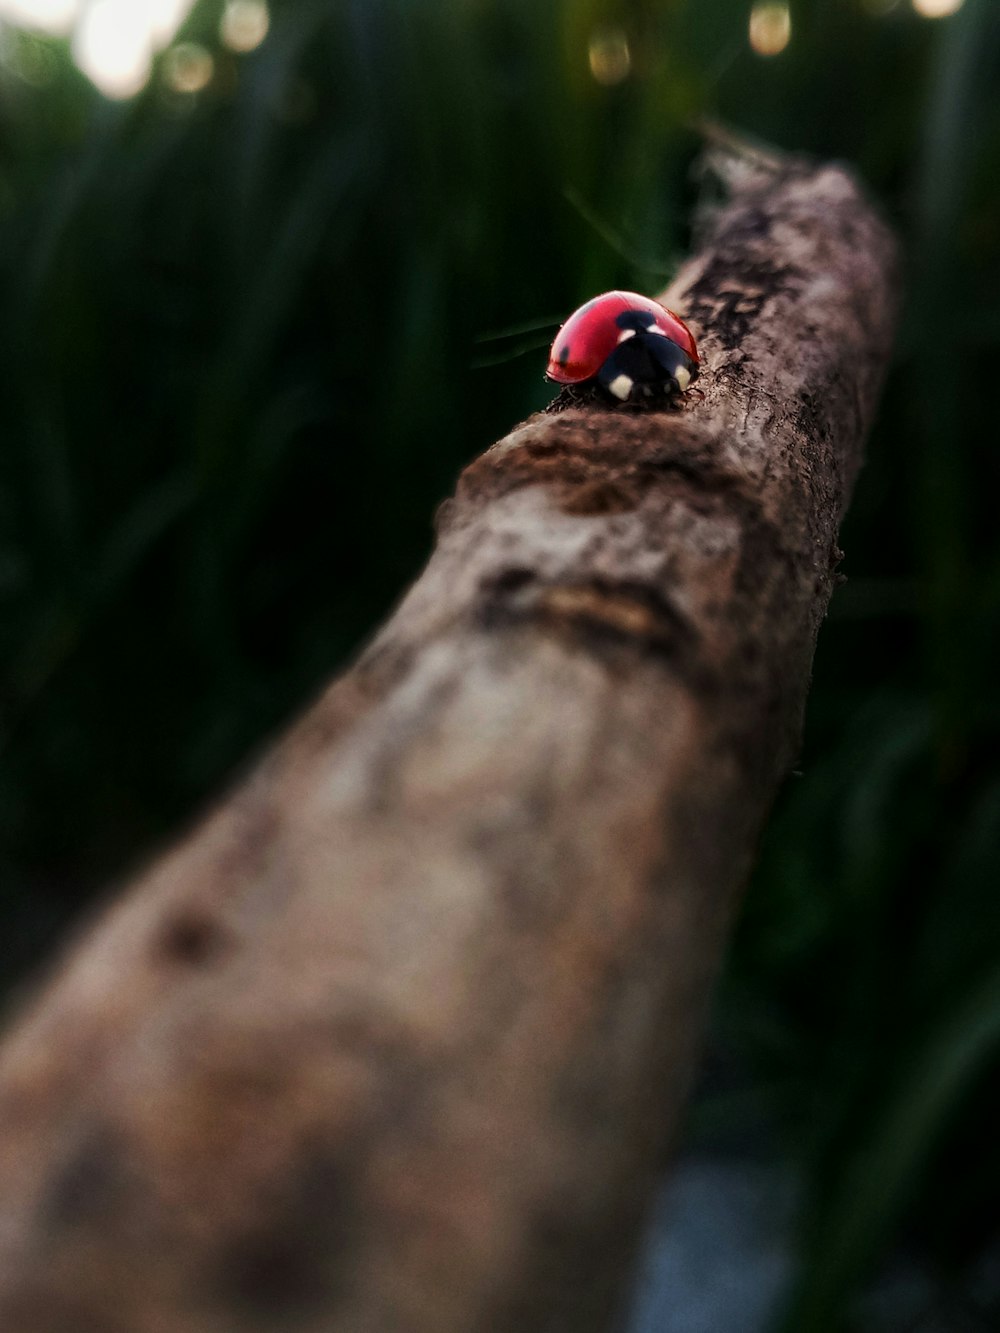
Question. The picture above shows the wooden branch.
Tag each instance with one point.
(393, 1042)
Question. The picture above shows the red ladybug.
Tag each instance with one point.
(628, 343)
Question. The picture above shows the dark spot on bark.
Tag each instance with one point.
(511, 580)
(87, 1185)
(607, 615)
(732, 291)
(285, 1268)
(574, 1251)
(698, 469)
(599, 497)
(192, 939)
(502, 593)
(273, 1275)
(597, 462)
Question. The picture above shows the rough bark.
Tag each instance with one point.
(394, 1040)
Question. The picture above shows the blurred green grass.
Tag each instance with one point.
(247, 340)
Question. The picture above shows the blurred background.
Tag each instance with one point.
(270, 274)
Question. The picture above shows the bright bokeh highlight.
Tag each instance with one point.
(770, 29)
(609, 56)
(113, 41)
(244, 24)
(937, 9)
(113, 45)
(55, 16)
(165, 17)
(188, 68)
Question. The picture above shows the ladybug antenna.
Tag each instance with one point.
(525, 344)
(517, 330)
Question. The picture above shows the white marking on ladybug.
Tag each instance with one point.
(683, 378)
(621, 386)
(626, 333)
(655, 328)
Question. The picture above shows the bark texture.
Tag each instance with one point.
(393, 1042)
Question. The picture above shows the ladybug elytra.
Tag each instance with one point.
(630, 344)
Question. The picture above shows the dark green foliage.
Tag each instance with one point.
(247, 340)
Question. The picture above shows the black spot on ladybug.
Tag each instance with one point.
(639, 320)
(564, 355)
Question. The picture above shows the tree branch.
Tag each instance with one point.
(394, 1040)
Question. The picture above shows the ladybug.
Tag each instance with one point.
(630, 344)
